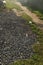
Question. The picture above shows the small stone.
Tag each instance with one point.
(5, 42)
(4, 2)
(1, 28)
(20, 56)
(26, 35)
(30, 22)
(1, 63)
(37, 42)
(21, 53)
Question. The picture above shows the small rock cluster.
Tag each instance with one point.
(16, 38)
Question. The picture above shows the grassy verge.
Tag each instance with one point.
(34, 27)
(39, 14)
(11, 5)
(26, 17)
(38, 32)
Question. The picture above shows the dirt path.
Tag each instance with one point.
(32, 15)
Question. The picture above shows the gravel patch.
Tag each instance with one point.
(16, 38)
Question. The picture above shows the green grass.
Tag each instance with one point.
(26, 17)
(39, 14)
(11, 5)
(38, 32)
(38, 49)
(34, 27)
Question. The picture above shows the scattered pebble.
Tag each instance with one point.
(30, 22)
(26, 35)
(1, 29)
(4, 2)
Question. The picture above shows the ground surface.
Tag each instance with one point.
(34, 17)
(16, 38)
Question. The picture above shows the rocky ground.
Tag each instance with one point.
(16, 38)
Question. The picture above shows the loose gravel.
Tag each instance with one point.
(16, 38)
